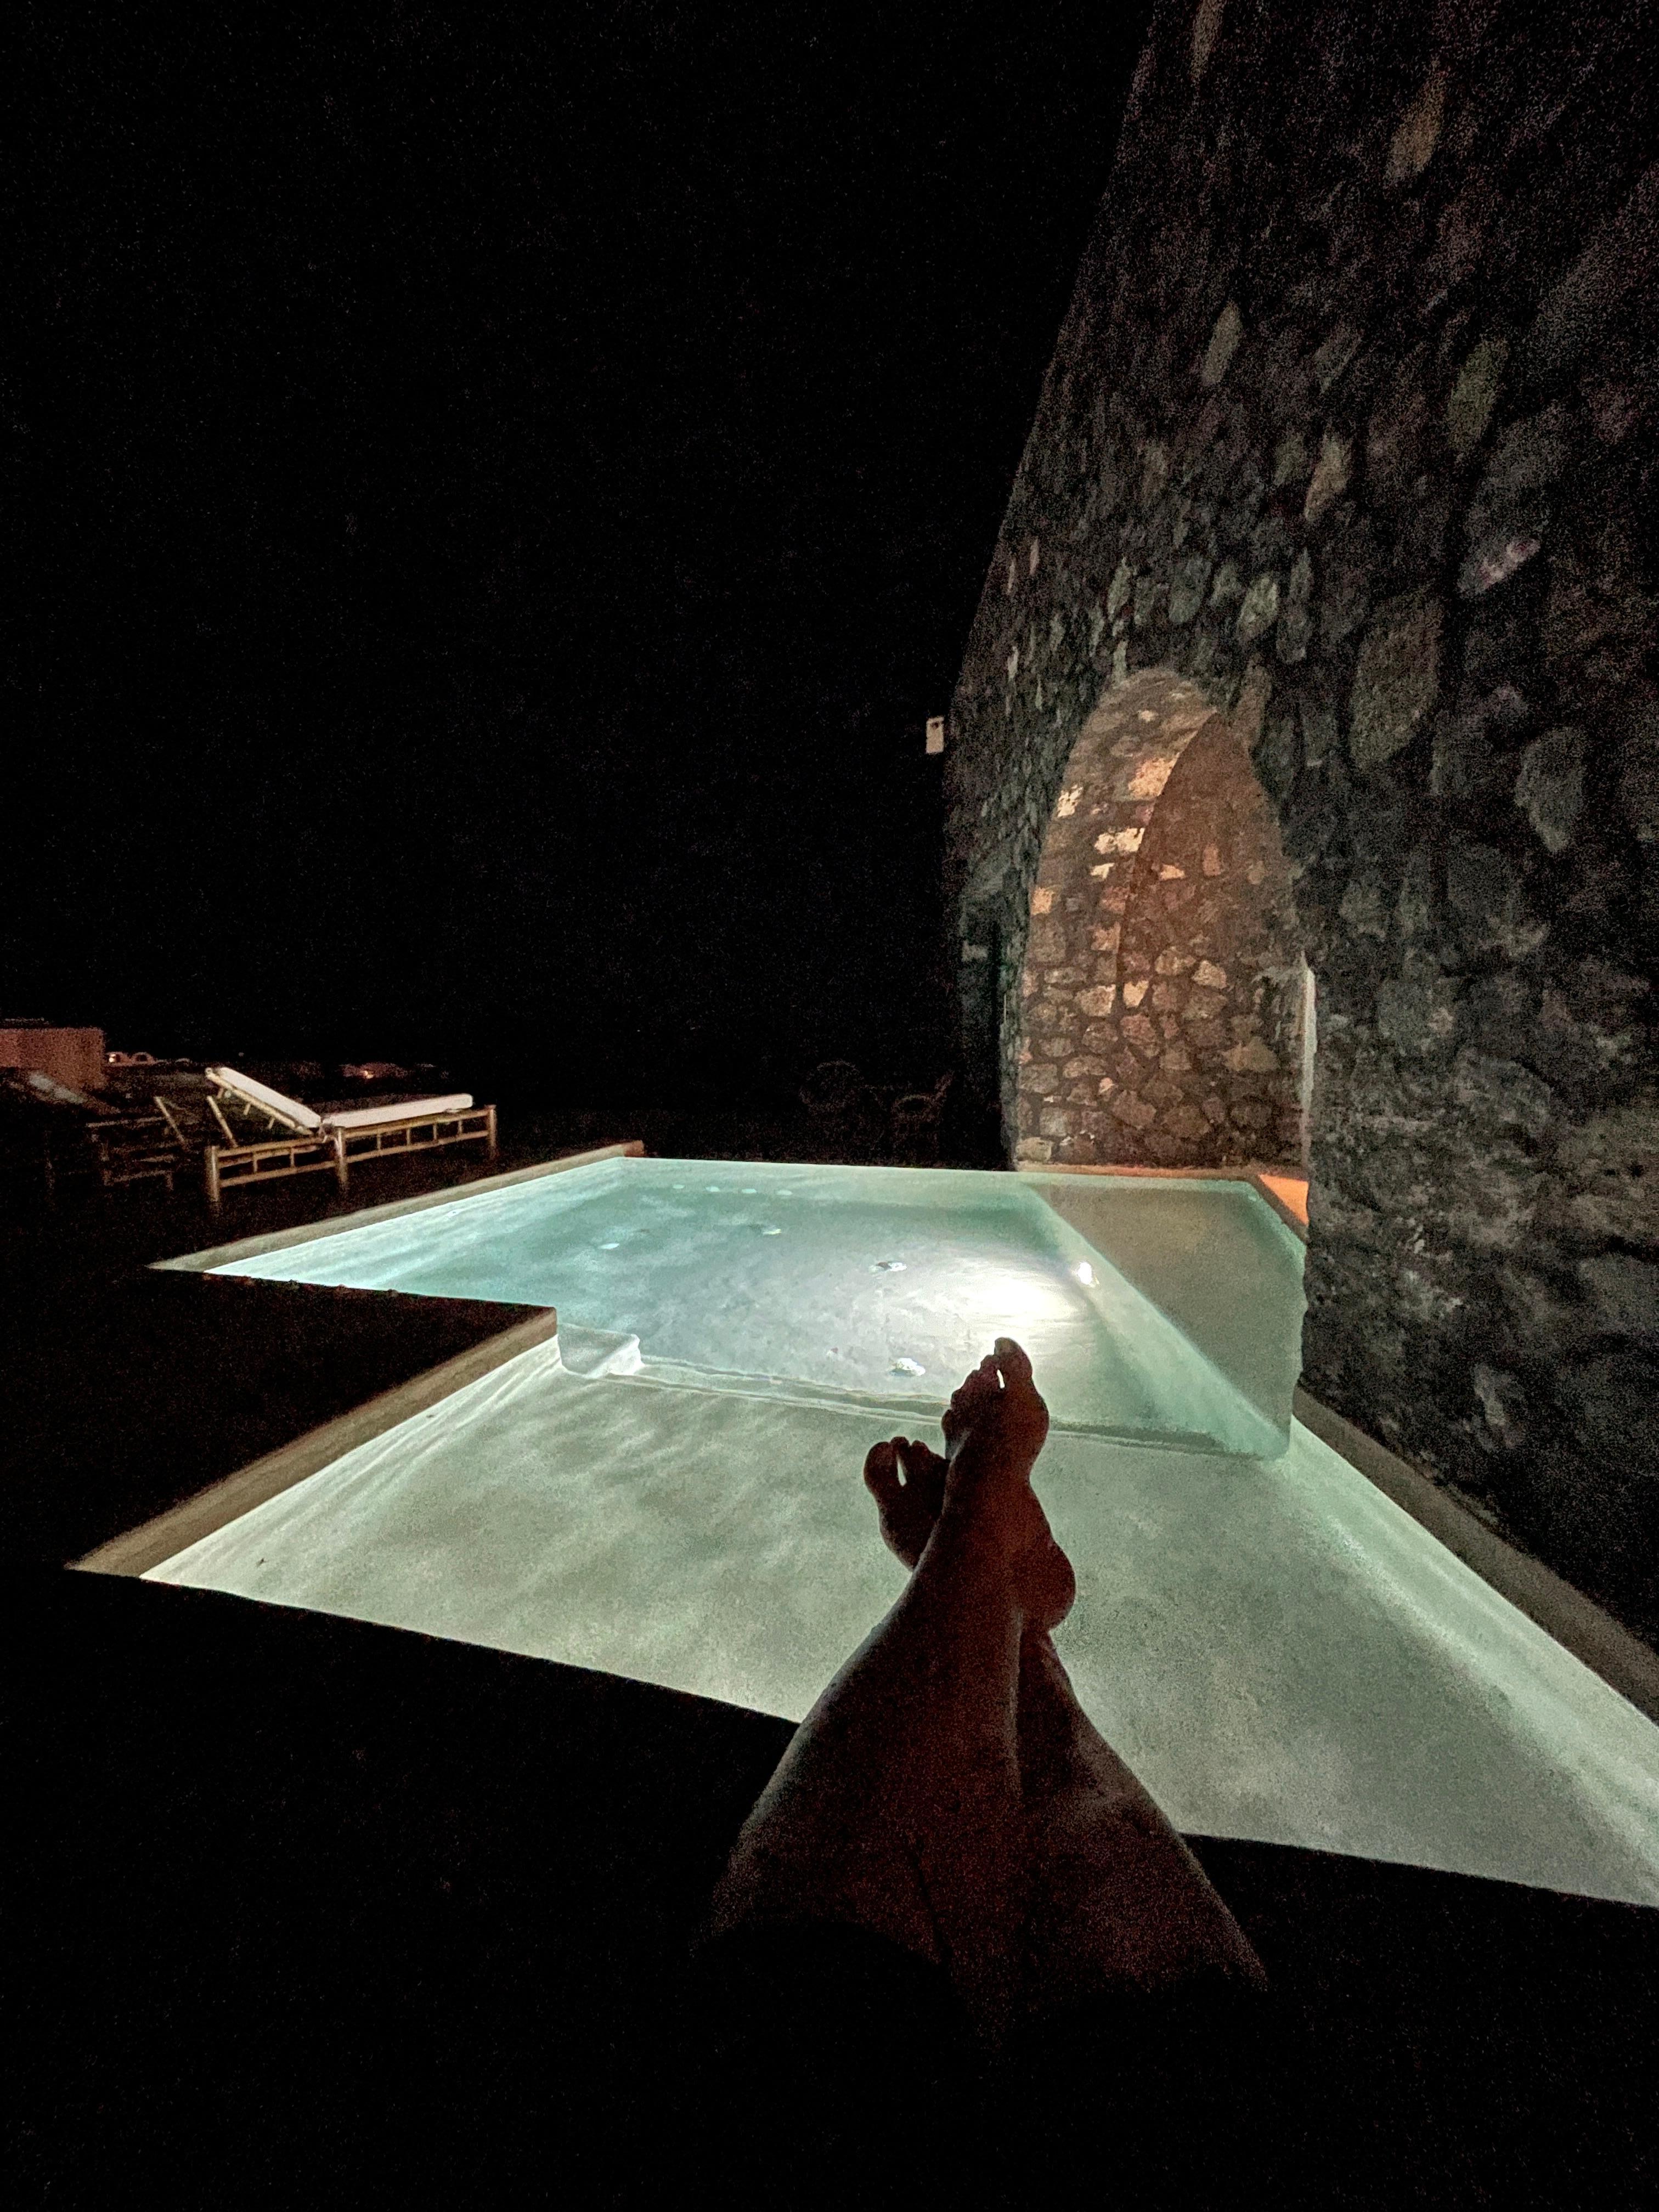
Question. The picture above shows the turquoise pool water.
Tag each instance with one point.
(1167, 1316)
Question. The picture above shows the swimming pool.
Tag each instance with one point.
(876, 1287)
(1281, 1652)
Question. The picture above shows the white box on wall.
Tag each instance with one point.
(936, 733)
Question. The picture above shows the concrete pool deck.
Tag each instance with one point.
(1279, 1646)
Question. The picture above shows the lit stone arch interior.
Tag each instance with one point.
(1069, 1007)
(1163, 1000)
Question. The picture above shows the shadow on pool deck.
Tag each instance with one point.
(319, 1910)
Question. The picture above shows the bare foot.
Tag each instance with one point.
(906, 1478)
(994, 1427)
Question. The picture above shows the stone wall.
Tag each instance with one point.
(1162, 996)
(1353, 430)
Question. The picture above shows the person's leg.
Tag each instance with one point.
(899, 1807)
(1116, 1901)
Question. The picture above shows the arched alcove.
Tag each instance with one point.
(1213, 983)
(1163, 1000)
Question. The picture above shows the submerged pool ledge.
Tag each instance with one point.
(1285, 1193)
(1575, 1621)
(1279, 1651)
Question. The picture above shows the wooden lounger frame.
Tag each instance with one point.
(135, 1148)
(463, 1125)
(268, 1161)
(303, 1152)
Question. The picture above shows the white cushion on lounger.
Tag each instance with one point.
(260, 1094)
(406, 1109)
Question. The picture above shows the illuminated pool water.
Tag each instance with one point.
(873, 1286)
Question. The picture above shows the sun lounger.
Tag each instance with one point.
(301, 1139)
(80, 1133)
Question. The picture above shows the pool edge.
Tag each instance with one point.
(1574, 1621)
(313, 1233)
(1258, 1179)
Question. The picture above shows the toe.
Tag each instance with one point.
(881, 1475)
(975, 1388)
(1024, 1403)
(1011, 1359)
(923, 1474)
(978, 1393)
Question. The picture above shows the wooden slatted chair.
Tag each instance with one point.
(300, 1140)
(849, 1115)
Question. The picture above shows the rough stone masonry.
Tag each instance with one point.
(1347, 466)
(1162, 994)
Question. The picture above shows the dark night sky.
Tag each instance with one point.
(494, 493)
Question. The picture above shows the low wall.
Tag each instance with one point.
(72, 1056)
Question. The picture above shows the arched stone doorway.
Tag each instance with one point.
(1164, 1002)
